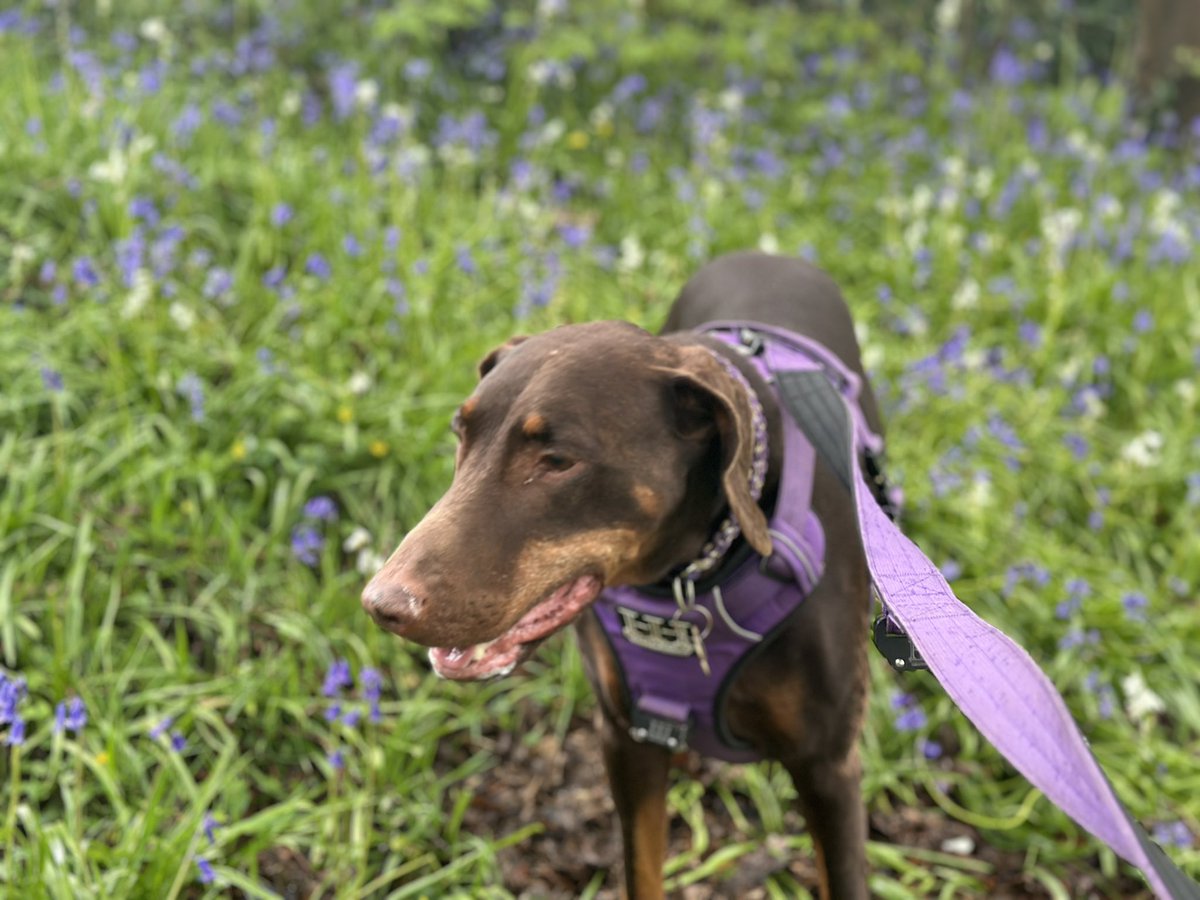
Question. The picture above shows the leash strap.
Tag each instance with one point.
(995, 683)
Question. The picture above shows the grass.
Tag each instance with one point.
(230, 284)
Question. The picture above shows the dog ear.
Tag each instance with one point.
(708, 398)
(489, 362)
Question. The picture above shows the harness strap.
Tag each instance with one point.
(995, 683)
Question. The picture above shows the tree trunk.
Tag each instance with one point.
(1167, 58)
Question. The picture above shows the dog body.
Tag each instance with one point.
(600, 455)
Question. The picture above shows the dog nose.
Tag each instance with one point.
(392, 606)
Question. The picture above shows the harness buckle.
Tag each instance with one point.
(896, 646)
(660, 722)
(752, 342)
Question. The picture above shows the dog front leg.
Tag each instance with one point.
(831, 799)
(637, 774)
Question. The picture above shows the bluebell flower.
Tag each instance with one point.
(178, 741)
(16, 732)
(321, 508)
(192, 388)
(351, 716)
(337, 759)
(83, 270)
(337, 678)
(343, 82)
(281, 214)
(307, 544)
(52, 379)
(70, 715)
(318, 265)
(931, 749)
(161, 728)
(209, 826)
(1174, 834)
(207, 875)
(911, 717)
(1135, 605)
(372, 687)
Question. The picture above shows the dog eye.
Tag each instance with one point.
(556, 462)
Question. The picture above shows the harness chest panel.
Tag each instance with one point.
(679, 650)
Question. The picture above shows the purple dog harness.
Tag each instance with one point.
(681, 648)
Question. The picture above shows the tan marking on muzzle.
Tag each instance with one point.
(544, 565)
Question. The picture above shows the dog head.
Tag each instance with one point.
(589, 455)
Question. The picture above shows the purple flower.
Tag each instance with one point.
(209, 826)
(161, 728)
(317, 265)
(931, 749)
(207, 875)
(337, 759)
(1006, 69)
(418, 69)
(1143, 321)
(84, 272)
(911, 717)
(16, 732)
(1077, 444)
(12, 692)
(1030, 333)
(333, 711)
(351, 246)
(217, 283)
(307, 544)
(351, 716)
(281, 214)
(462, 255)
(1135, 605)
(143, 208)
(372, 686)
(951, 570)
(70, 715)
(52, 380)
(322, 509)
(343, 82)
(337, 678)
(1174, 834)
(192, 388)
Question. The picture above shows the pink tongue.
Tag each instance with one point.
(501, 655)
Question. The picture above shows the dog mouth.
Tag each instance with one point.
(499, 656)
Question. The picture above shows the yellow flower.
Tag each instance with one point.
(378, 449)
(238, 450)
(102, 758)
(577, 140)
(345, 414)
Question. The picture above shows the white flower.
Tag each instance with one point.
(369, 562)
(290, 104)
(632, 254)
(1145, 450)
(360, 382)
(366, 92)
(967, 295)
(1140, 701)
(155, 30)
(182, 316)
(139, 295)
(947, 16)
(768, 243)
(359, 539)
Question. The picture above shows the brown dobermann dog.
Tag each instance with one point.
(598, 454)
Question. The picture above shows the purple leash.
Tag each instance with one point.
(995, 683)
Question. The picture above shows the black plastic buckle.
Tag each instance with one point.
(648, 728)
(896, 646)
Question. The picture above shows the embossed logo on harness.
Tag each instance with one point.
(673, 637)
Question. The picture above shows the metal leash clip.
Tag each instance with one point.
(685, 599)
(896, 646)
